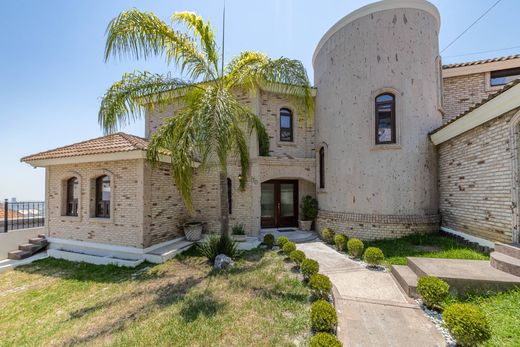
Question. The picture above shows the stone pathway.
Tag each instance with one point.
(372, 309)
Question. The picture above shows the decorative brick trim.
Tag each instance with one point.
(378, 218)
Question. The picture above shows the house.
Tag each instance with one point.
(399, 144)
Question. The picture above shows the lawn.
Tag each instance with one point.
(183, 302)
(428, 245)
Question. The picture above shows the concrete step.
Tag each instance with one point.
(510, 250)
(406, 278)
(411, 262)
(38, 241)
(506, 263)
(18, 255)
(29, 247)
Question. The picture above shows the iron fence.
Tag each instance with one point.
(23, 215)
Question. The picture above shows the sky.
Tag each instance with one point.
(52, 72)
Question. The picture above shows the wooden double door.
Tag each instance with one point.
(279, 203)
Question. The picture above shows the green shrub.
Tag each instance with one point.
(218, 244)
(297, 256)
(341, 242)
(373, 256)
(309, 267)
(433, 290)
(309, 208)
(328, 235)
(324, 340)
(355, 247)
(323, 316)
(320, 285)
(238, 229)
(281, 241)
(467, 324)
(289, 247)
(269, 240)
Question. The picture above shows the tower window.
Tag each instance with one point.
(385, 119)
(286, 125)
(322, 167)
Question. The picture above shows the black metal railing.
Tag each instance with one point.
(23, 215)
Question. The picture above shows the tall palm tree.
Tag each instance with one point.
(212, 125)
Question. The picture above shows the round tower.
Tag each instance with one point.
(378, 75)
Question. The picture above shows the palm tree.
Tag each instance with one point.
(212, 125)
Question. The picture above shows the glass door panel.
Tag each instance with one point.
(287, 200)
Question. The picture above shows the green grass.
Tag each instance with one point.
(428, 245)
(182, 302)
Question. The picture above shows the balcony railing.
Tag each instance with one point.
(22, 215)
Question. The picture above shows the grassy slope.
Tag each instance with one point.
(182, 303)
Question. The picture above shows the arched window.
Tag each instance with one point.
(103, 197)
(385, 119)
(229, 195)
(322, 167)
(72, 197)
(286, 125)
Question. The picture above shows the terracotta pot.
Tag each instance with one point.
(305, 225)
(193, 231)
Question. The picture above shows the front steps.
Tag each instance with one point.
(28, 249)
(506, 258)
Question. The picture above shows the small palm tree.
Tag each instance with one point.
(212, 125)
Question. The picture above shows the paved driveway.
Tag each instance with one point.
(372, 309)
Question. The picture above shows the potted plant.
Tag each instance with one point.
(309, 212)
(193, 230)
(239, 233)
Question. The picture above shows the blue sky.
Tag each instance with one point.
(52, 72)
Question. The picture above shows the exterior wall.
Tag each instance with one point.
(392, 50)
(475, 179)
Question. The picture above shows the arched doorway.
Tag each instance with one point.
(279, 203)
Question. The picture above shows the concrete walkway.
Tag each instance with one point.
(372, 309)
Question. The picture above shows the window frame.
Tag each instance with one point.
(288, 112)
(393, 122)
(102, 207)
(69, 200)
(230, 195)
(321, 163)
(506, 72)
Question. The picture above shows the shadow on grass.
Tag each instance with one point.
(201, 304)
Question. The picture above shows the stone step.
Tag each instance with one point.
(29, 247)
(18, 255)
(406, 278)
(38, 241)
(506, 263)
(510, 250)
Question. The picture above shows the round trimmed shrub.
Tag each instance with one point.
(355, 247)
(309, 267)
(297, 256)
(328, 235)
(269, 240)
(320, 285)
(289, 247)
(373, 256)
(341, 242)
(323, 316)
(282, 240)
(324, 340)
(433, 290)
(467, 324)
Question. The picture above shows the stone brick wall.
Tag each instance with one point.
(475, 181)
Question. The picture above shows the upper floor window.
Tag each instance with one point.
(322, 167)
(286, 125)
(72, 197)
(501, 77)
(103, 191)
(230, 195)
(385, 119)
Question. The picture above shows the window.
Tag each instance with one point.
(286, 125)
(72, 197)
(229, 195)
(322, 167)
(103, 197)
(385, 119)
(501, 77)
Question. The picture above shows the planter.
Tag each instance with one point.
(193, 231)
(305, 225)
(239, 238)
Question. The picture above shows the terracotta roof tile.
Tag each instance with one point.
(483, 61)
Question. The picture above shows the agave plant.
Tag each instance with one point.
(212, 126)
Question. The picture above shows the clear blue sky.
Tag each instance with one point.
(52, 74)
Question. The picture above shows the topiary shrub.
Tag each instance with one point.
(218, 244)
(309, 267)
(297, 256)
(309, 208)
(467, 324)
(341, 242)
(373, 256)
(324, 340)
(355, 247)
(433, 290)
(323, 316)
(328, 235)
(281, 241)
(268, 240)
(289, 247)
(320, 285)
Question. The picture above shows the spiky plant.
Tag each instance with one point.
(212, 125)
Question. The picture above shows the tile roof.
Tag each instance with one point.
(483, 61)
(11, 214)
(114, 143)
(477, 105)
